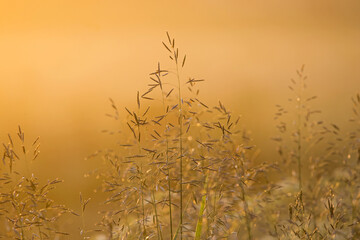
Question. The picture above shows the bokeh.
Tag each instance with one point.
(60, 61)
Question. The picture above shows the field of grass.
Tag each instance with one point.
(183, 169)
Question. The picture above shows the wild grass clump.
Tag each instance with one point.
(183, 169)
(188, 170)
(317, 154)
(26, 210)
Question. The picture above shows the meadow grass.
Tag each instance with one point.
(205, 178)
(186, 170)
(26, 210)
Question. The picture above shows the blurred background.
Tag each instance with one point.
(61, 60)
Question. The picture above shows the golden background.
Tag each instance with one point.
(60, 61)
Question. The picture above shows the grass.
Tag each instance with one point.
(26, 210)
(188, 170)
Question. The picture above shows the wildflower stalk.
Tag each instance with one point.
(299, 143)
(168, 170)
(243, 195)
(141, 187)
(40, 235)
(201, 211)
(174, 57)
(180, 149)
(169, 188)
(158, 228)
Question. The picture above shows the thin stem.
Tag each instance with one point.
(142, 204)
(168, 172)
(22, 235)
(82, 222)
(299, 157)
(175, 59)
(158, 228)
(203, 204)
(141, 188)
(246, 206)
(169, 188)
(22, 231)
(40, 233)
(181, 150)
